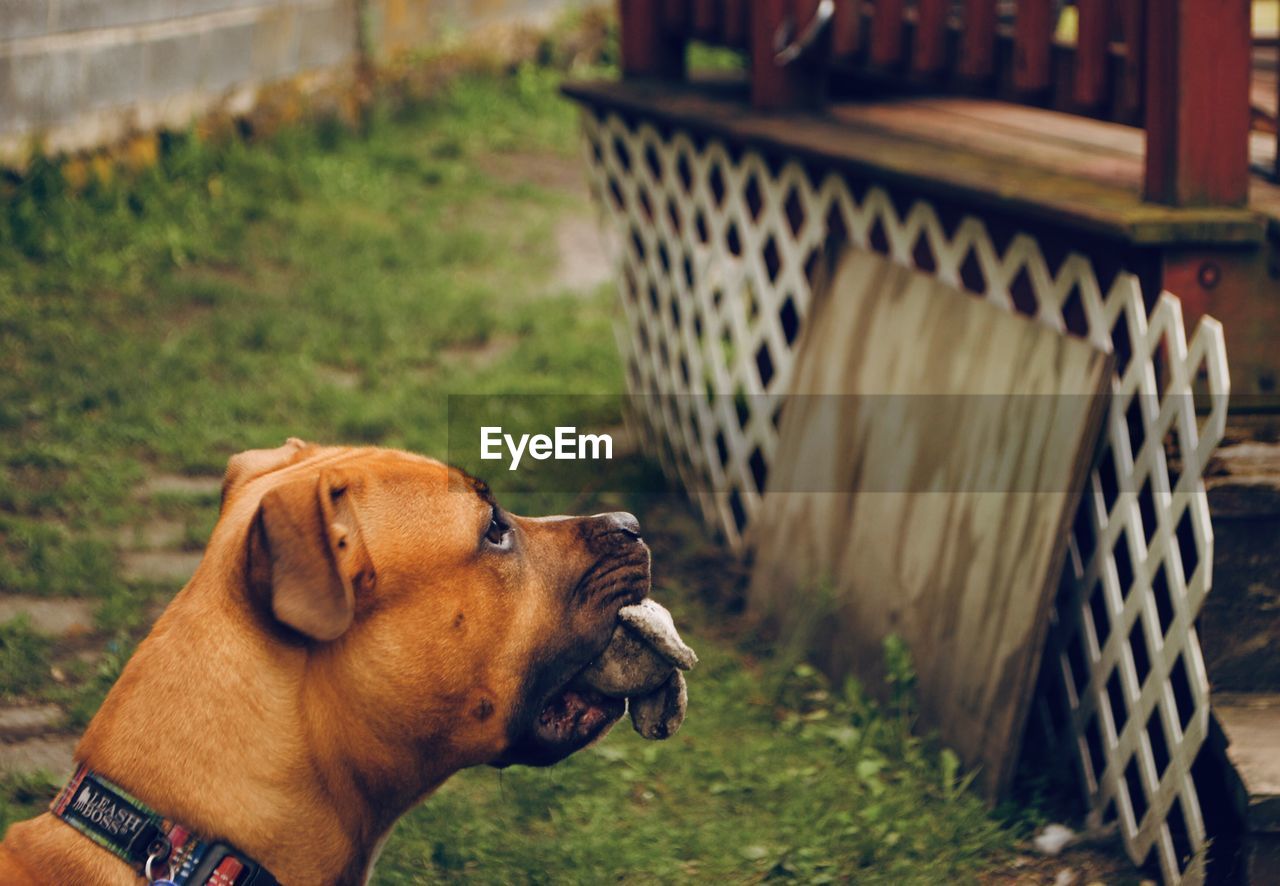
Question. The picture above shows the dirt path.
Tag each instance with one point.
(34, 734)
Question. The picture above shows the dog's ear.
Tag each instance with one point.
(307, 557)
(244, 466)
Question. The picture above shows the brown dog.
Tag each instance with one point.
(364, 624)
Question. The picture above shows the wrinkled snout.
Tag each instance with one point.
(619, 573)
(605, 533)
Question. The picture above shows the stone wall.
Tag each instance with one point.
(75, 74)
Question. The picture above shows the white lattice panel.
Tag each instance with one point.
(715, 269)
(1139, 565)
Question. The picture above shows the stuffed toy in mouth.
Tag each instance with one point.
(643, 664)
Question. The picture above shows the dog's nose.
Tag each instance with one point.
(623, 522)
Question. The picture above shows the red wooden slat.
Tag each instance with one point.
(802, 14)
(1132, 30)
(771, 86)
(787, 86)
(675, 16)
(706, 18)
(1162, 108)
(734, 22)
(1032, 45)
(886, 33)
(804, 11)
(1090, 80)
(1198, 56)
(846, 27)
(647, 50)
(978, 41)
(931, 36)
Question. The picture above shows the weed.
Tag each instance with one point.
(900, 675)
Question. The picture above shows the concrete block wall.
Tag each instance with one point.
(76, 74)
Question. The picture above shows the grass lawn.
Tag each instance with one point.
(337, 286)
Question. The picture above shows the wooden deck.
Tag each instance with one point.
(1060, 169)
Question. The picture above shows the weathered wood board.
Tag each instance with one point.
(932, 498)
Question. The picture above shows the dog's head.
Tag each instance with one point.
(444, 622)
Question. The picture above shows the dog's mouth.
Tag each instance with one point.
(570, 718)
(572, 715)
(576, 716)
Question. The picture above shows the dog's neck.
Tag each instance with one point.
(302, 790)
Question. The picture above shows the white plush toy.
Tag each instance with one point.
(643, 664)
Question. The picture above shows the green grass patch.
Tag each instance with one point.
(24, 657)
(798, 781)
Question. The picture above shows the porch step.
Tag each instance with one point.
(1240, 621)
(1251, 723)
(1240, 635)
(1249, 739)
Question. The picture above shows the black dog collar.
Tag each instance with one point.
(160, 850)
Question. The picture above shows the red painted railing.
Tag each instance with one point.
(1178, 67)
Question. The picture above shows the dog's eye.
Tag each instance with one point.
(499, 532)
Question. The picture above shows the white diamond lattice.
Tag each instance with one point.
(716, 249)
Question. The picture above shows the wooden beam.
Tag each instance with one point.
(1032, 45)
(647, 49)
(978, 40)
(1198, 58)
